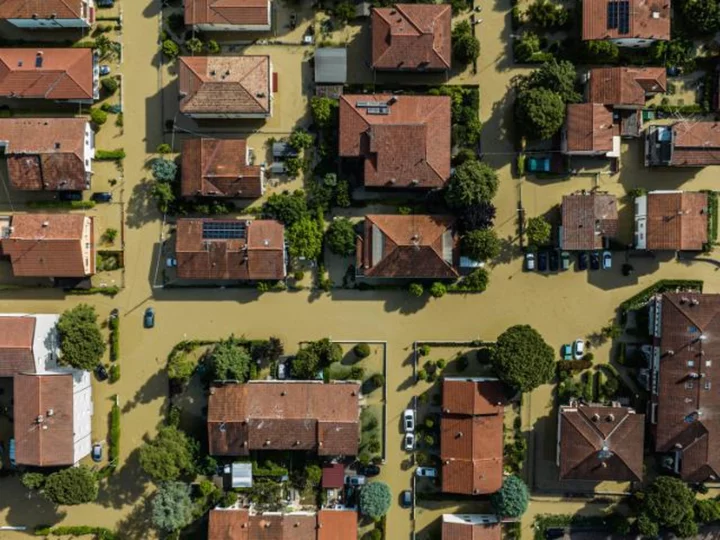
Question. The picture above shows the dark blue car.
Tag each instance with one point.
(149, 319)
(542, 261)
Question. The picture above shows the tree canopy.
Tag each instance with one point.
(481, 245)
(163, 170)
(669, 502)
(477, 216)
(300, 140)
(512, 498)
(74, 485)
(472, 183)
(546, 14)
(285, 207)
(305, 238)
(538, 231)
(522, 359)
(560, 77)
(703, 16)
(375, 499)
(540, 112)
(315, 356)
(465, 46)
(81, 342)
(172, 507)
(229, 361)
(340, 237)
(324, 110)
(169, 455)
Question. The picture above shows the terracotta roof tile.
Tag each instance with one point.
(407, 148)
(229, 524)
(241, 525)
(225, 84)
(66, 74)
(227, 12)
(587, 219)
(467, 396)
(411, 37)
(589, 127)
(16, 345)
(648, 19)
(337, 525)
(219, 168)
(468, 531)
(676, 220)
(625, 85)
(43, 9)
(284, 416)
(695, 144)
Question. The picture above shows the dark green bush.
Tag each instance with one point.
(110, 155)
(362, 350)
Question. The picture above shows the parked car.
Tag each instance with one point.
(427, 472)
(530, 261)
(409, 420)
(594, 261)
(105, 3)
(70, 195)
(115, 313)
(101, 373)
(564, 260)
(11, 452)
(606, 260)
(97, 452)
(582, 260)
(578, 349)
(554, 262)
(355, 480)
(542, 261)
(171, 262)
(102, 196)
(149, 318)
(282, 370)
(104, 70)
(537, 164)
(406, 499)
(566, 352)
(369, 470)
(409, 442)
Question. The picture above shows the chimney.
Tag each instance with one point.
(39, 59)
(610, 417)
(50, 412)
(45, 223)
(596, 417)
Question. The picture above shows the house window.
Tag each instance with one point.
(707, 385)
(691, 363)
(688, 384)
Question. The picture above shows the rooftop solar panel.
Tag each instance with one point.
(223, 230)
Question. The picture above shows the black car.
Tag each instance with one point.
(102, 196)
(582, 260)
(554, 261)
(542, 261)
(70, 195)
(406, 499)
(594, 260)
(369, 470)
(101, 373)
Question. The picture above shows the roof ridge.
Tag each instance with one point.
(259, 62)
(410, 19)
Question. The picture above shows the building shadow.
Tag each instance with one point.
(136, 523)
(27, 508)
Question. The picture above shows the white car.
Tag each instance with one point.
(282, 370)
(606, 260)
(530, 261)
(409, 420)
(427, 472)
(409, 442)
(579, 349)
(355, 480)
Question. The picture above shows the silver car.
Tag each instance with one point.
(409, 442)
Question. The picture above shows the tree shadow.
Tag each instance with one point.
(25, 507)
(136, 523)
(140, 208)
(156, 387)
(125, 486)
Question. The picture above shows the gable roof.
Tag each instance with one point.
(409, 147)
(415, 246)
(258, 253)
(16, 345)
(411, 36)
(472, 396)
(284, 416)
(50, 443)
(235, 524)
(600, 443)
(219, 168)
(224, 84)
(45, 9)
(625, 85)
(589, 127)
(695, 144)
(227, 12)
(587, 218)
(470, 527)
(66, 74)
(677, 220)
(45, 153)
(48, 245)
(687, 412)
(647, 19)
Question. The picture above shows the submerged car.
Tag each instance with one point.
(97, 452)
(537, 164)
(566, 352)
(542, 261)
(149, 318)
(369, 470)
(606, 260)
(582, 260)
(594, 261)
(564, 260)
(101, 373)
(406, 499)
(530, 261)
(578, 349)
(409, 442)
(409, 420)
(427, 472)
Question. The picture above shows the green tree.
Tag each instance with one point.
(476, 281)
(375, 500)
(300, 140)
(560, 77)
(230, 361)
(341, 236)
(512, 498)
(706, 510)
(703, 16)
(668, 502)
(546, 14)
(33, 480)
(163, 170)
(163, 148)
(313, 475)
(194, 45)
(522, 359)
(540, 112)
(473, 182)
(465, 46)
(285, 207)
(601, 52)
(438, 290)
(526, 47)
(98, 116)
(315, 356)
(647, 527)
(172, 508)
(212, 47)
(477, 216)
(416, 290)
(163, 194)
(74, 485)
(109, 84)
(170, 48)
(305, 238)
(345, 11)
(168, 456)
(324, 110)
(81, 343)
(612, 330)
(481, 245)
(538, 231)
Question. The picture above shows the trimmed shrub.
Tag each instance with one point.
(114, 449)
(163, 148)
(110, 155)
(438, 290)
(114, 373)
(109, 84)
(98, 116)
(361, 350)
(416, 290)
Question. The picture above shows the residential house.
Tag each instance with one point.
(228, 15)
(671, 220)
(408, 247)
(471, 435)
(49, 245)
(47, 154)
(241, 524)
(627, 23)
(230, 249)
(599, 443)
(683, 400)
(411, 37)
(683, 144)
(625, 89)
(66, 75)
(299, 415)
(225, 86)
(48, 14)
(589, 221)
(590, 130)
(403, 141)
(220, 168)
(471, 527)
(52, 405)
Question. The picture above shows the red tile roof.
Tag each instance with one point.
(587, 218)
(695, 144)
(45, 153)
(407, 148)
(48, 245)
(677, 220)
(413, 246)
(589, 127)
(601, 443)
(284, 416)
(66, 74)
(411, 37)
(227, 12)
(235, 524)
(46, 9)
(337, 525)
(471, 445)
(469, 531)
(688, 401)
(648, 19)
(219, 168)
(628, 86)
(16, 345)
(224, 84)
(51, 442)
(258, 255)
(474, 398)
(333, 476)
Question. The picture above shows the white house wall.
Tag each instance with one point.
(82, 414)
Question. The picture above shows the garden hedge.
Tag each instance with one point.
(664, 285)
